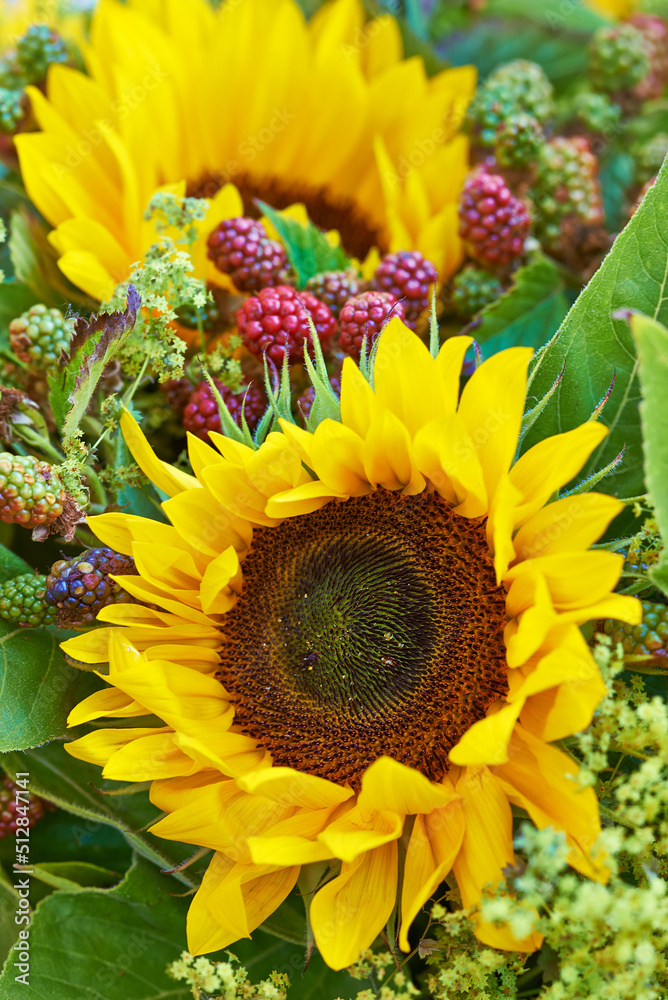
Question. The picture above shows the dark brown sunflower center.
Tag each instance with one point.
(358, 231)
(370, 627)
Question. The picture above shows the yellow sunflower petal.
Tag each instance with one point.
(389, 785)
(164, 476)
(486, 741)
(567, 525)
(284, 784)
(360, 830)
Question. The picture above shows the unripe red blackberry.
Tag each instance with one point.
(16, 806)
(305, 401)
(474, 288)
(528, 85)
(334, 288)
(11, 110)
(409, 277)
(38, 49)
(177, 393)
(619, 58)
(366, 315)
(201, 413)
(78, 588)
(566, 184)
(492, 221)
(518, 140)
(31, 492)
(276, 320)
(648, 639)
(655, 32)
(241, 248)
(22, 600)
(39, 336)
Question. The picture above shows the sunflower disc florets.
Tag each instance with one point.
(334, 288)
(409, 277)
(15, 803)
(31, 492)
(22, 601)
(38, 49)
(473, 289)
(365, 315)
(276, 320)
(619, 58)
(201, 412)
(648, 639)
(241, 248)
(567, 184)
(492, 221)
(78, 588)
(39, 336)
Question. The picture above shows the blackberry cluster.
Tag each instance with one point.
(649, 157)
(655, 33)
(648, 639)
(11, 109)
(31, 492)
(566, 184)
(473, 289)
(334, 288)
(492, 106)
(13, 801)
(492, 221)
(596, 112)
(619, 58)
(201, 412)
(22, 600)
(409, 277)
(39, 336)
(78, 588)
(177, 393)
(365, 315)
(518, 140)
(241, 248)
(276, 320)
(531, 90)
(38, 49)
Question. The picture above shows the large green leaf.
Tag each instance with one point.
(38, 687)
(308, 249)
(592, 346)
(105, 944)
(528, 313)
(80, 789)
(652, 340)
(11, 565)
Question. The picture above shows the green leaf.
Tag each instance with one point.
(105, 944)
(15, 298)
(73, 875)
(527, 314)
(652, 341)
(308, 249)
(79, 788)
(591, 345)
(11, 565)
(35, 261)
(38, 687)
(9, 930)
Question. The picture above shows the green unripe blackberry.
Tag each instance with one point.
(31, 492)
(650, 156)
(78, 588)
(492, 105)
(596, 112)
(566, 184)
(619, 58)
(38, 49)
(530, 88)
(12, 76)
(474, 288)
(518, 140)
(209, 314)
(39, 337)
(22, 601)
(648, 639)
(11, 110)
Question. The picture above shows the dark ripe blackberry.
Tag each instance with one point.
(409, 277)
(241, 248)
(22, 600)
(648, 639)
(201, 413)
(619, 58)
(277, 319)
(19, 809)
(334, 288)
(38, 49)
(492, 221)
(80, 587)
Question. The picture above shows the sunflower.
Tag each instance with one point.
(245, 101)
(358, 643)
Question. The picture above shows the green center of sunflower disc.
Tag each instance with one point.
(369, 627)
